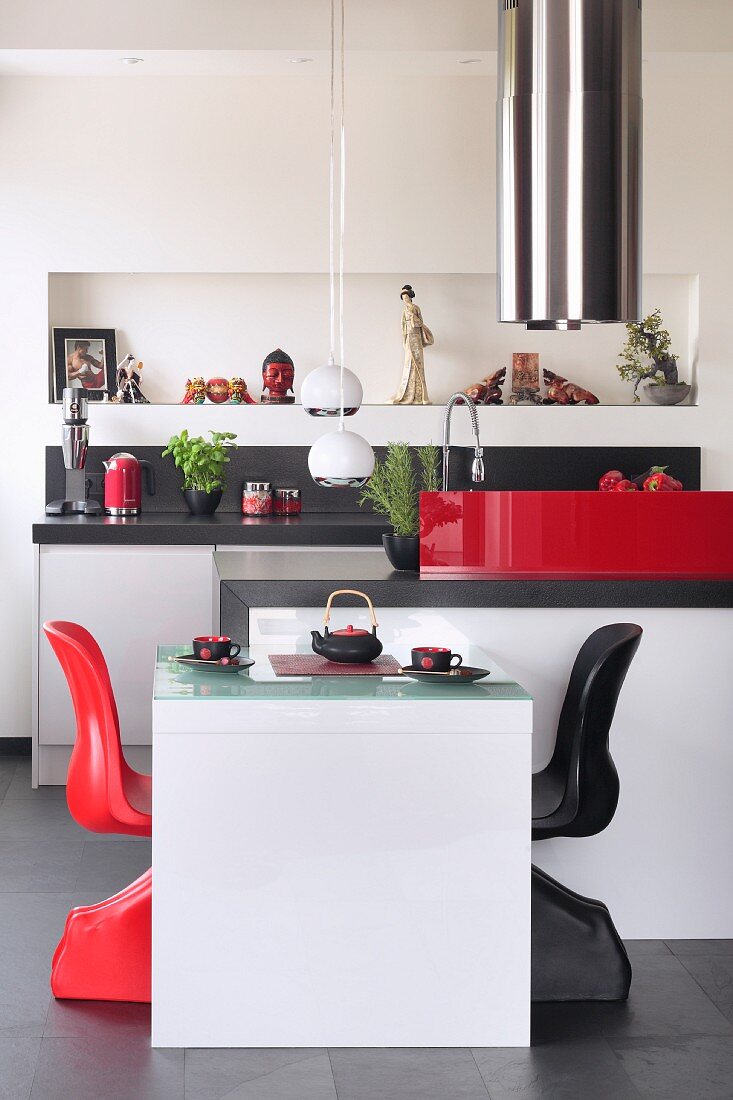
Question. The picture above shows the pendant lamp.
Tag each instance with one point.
(341, 458)
(320, 394)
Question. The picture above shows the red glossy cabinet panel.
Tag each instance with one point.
(508, 535)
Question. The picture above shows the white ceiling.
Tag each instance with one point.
(302, 26)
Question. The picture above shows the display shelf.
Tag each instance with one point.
(224, 324)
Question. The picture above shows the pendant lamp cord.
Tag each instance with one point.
(331, 196)
(342, 202)
(342, 208)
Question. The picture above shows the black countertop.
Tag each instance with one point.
(223, 529)
(305, 579)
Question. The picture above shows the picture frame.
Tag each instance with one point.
(525, 372)
(85, 359)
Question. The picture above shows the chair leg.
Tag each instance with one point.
(591, 901)
(104, 953)
(577, 954)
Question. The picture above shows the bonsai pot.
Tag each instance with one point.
(667, 395)
(403, 551)
(201, 503)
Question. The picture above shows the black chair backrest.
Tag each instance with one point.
(581, 749)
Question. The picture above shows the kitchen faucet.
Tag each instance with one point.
(477, 466)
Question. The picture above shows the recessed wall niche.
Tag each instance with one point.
(182, 324)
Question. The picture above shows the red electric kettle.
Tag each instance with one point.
(123, 484)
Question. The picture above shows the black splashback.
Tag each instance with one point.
(520, 468)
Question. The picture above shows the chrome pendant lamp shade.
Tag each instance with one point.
(569, 160)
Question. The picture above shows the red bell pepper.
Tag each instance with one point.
(624, 486)
(641, 478)
(609, 481)
(662, 483)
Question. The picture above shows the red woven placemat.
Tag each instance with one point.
(310, 664)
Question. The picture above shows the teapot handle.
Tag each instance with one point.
(349, 592)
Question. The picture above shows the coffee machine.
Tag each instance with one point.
(74, 444)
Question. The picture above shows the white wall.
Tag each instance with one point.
(228, 175)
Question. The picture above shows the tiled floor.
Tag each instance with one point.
(673, 1040)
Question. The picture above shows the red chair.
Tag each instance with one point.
(104, 953)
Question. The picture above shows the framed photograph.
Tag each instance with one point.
(84, 359)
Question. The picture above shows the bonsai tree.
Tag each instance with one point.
(646, 354)
(203, 462)
(394, 488)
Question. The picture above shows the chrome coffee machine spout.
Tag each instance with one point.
(74, 447)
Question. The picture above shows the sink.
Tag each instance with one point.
(576, 535)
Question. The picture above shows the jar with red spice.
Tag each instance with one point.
(257, 498)
(286, 502)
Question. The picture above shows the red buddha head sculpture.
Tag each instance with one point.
(278, 374)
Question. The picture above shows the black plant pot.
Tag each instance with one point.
(403, 551)
(201, 503)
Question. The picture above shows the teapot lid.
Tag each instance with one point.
(349, 632)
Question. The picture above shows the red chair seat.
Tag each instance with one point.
(104, 953)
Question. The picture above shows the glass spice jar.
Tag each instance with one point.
(257, 498)
(286, 502)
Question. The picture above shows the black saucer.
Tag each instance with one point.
(197, 665)
(463, 674)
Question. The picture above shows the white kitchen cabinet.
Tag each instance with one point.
(131, 599)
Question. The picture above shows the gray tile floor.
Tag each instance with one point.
(672, 1040)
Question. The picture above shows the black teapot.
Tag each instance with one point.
(350, 646)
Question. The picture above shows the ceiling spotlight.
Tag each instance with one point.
(131, 60)
(299, 60)
(469, 61)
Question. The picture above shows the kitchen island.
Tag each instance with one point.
(374, 887)
(671, 734)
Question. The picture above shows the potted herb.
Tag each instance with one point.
(394, 490)
(203, 463)
(646, 354)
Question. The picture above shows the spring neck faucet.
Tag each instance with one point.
(477, 465)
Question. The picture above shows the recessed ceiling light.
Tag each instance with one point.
(470, 61)
(131, 60)
(299, 60)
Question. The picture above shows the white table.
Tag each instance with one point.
(340, 861)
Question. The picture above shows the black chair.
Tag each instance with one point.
(577, 954)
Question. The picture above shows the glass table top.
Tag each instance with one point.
(175, 682)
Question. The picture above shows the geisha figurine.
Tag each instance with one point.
(415, 336)
(128, 383)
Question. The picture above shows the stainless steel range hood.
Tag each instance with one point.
(569, 162)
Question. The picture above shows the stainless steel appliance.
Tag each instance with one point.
(74, 445)
(569, 155)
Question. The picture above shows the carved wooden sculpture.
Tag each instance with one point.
(488, 390)
(562, 392)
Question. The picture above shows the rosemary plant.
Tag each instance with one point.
(394, 488)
